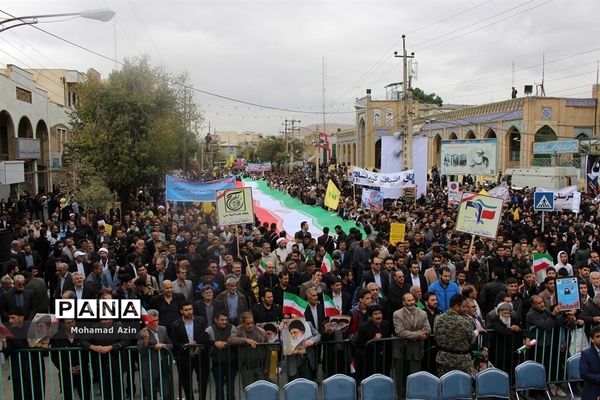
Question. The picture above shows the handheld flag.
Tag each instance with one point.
(330, 307)
(541, 261)
(294, 305)
(332, 196)
(261, 268)
(327, 264)
(147, 319)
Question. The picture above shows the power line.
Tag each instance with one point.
(385, 56)
(206, 92)
(475, 23)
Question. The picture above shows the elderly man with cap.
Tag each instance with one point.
(505, 328)
(79, 264)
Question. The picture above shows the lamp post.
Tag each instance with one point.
(102, 14)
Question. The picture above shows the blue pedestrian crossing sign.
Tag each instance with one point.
(543, 201)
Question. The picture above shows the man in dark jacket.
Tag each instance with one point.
(589, 367)
(374, 358)
(192, 353)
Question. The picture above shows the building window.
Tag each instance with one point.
(515, 146)
(24, 95)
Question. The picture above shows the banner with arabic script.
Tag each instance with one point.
(184, 190)
(567, 198)
(258, 167)
(401, 179)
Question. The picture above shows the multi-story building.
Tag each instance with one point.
(34, 124)
(517, 124)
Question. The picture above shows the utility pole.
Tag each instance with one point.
(291, 149)
(287, 139)
(319, 152)
(187, 124)
(406, 127)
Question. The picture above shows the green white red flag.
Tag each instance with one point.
(294, 305)
(261, 268)
(327, 264)
(330, 307)
(541, 261)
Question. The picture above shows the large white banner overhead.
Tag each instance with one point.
(401, 179)
(391, 161)
(567, 198)
(469, 157)
(419, 157)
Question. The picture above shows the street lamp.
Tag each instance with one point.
(103, 14)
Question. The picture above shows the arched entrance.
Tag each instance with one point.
(470, 135)
(7, 136)
(452, 136)
(360, 158)
(378, 154)
(437, 150)
(25, 128)
(41, 132)
(513, 144)
(490, 134)
(544, 134)
(584, 146)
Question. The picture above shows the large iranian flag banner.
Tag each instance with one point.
(271, 205)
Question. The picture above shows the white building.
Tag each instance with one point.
(34, 121)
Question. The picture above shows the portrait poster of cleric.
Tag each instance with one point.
(294, 333)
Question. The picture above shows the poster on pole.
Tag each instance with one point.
(567, 293)
(454, 194)
(235, 206)
(397, 232)
(479, 215)
(469, 157)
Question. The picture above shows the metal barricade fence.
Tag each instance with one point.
(554, 347)
(338, 357)
(502, 351)
(206, 373)
(70, 373)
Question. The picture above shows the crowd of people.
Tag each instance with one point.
(215, 295)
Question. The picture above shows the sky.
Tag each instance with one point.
(271, 53)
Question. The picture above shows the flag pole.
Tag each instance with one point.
(543, 218)
(470, 253)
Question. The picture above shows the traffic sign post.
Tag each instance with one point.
(543, 201)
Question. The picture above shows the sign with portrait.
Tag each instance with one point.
(567, 293)
(294, 334)
(469, 157)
